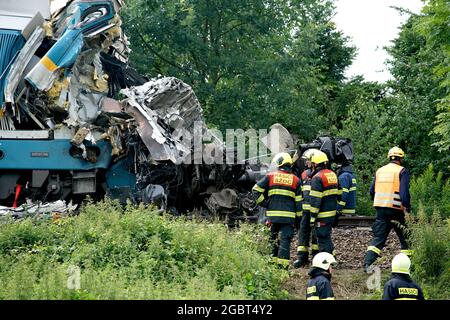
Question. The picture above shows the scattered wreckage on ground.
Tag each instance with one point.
(64, 135)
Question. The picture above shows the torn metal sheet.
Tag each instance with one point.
(39, 209)
(278, 139)
(160, 147)
(82, 19)
(173, 101)
(62, 54)
(110, 105)
(25, 8)
(23, 15)
(164, 100)
(22, 60)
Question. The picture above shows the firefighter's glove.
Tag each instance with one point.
(268, 223)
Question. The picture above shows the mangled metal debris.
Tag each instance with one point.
(160, 107)
(64, 134)
(38, 209)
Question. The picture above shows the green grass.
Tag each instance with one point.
(431, 260)
(135, 253)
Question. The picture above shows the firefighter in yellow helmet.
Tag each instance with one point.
(323, 200)
(305, 230)
(391, 199)
(280, 193)
(401, 286)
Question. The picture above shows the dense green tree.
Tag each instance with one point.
(434, 27)
(403, 111)
(251, 63)
(419, 95)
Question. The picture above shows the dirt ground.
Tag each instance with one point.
(350, 245)
(347, 284)
(349, 281)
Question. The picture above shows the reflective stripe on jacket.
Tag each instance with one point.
(319, 286)
(306, 188)
(323, 194)
(387, 187)
(402, 287)
(282, 190)
(347, 192)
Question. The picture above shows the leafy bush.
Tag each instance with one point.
(431, 191)
(135, 253)
(430, 238)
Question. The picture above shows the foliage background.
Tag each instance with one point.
(253, 63)
(134, 253)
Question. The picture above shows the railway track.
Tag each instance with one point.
(344, 221)
(356, 221)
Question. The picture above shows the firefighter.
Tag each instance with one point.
(305, 231)
(400, 286)
(323, 200)
(319, 284)
(346, 191)
(280, 193)
(391, 199)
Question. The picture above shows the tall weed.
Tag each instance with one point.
(432, 191)
(135, 253)
(430, 239)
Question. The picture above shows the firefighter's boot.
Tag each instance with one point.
(302, 260)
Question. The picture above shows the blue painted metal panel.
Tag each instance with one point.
(11, 41)
(119, 175)
(121, 181)
(48, 155)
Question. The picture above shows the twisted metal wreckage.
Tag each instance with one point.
(63, 135)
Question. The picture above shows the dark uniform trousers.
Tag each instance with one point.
(304, 235)
(281, 237)
(386, 220)
(323, 200)
(323, 232)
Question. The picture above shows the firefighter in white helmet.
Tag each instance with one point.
(319, 284)
(401, 286)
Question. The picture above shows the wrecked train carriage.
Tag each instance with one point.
(54, 80)
(63, 135)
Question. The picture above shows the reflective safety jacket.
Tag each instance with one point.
(319, 286)
(280, 192)
(390, 187)
(306, 188)
(323, 194)
(402, 287)
(347, 191)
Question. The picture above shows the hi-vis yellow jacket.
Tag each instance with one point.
(387, 187)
